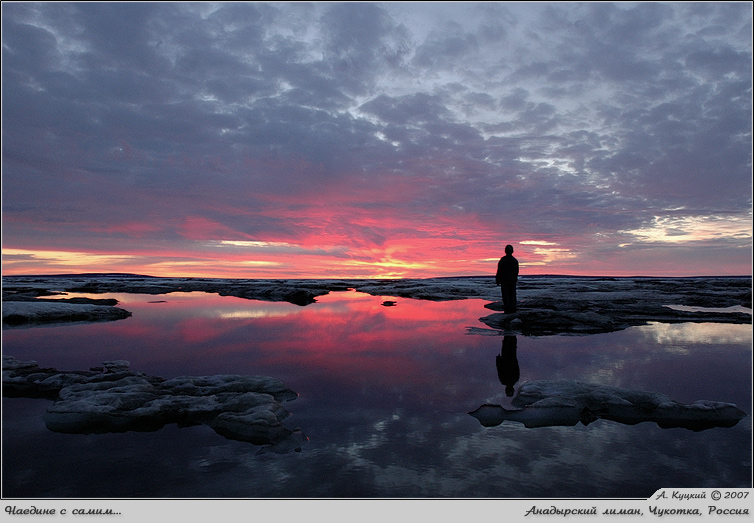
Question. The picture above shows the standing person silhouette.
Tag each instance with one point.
(506, 277)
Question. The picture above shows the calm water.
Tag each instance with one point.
(384, 396)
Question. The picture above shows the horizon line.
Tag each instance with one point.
(543, 275)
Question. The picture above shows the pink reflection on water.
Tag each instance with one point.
(348, 334)
(350, 343)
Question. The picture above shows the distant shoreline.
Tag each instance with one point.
(526, 276)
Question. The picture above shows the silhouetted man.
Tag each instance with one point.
(506, 277)
(507, 364)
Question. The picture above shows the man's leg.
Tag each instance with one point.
(509, 297)
(512, 298)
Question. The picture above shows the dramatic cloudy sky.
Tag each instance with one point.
(371, 139)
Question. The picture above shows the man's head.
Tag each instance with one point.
(508, 249)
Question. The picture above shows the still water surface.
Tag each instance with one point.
(384, 394)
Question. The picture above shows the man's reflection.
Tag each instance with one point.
(507, 364)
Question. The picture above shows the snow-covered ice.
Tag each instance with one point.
(115, 399)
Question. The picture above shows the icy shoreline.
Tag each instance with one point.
(547, 305)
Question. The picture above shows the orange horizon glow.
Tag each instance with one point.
(536, 258)
(348, 239)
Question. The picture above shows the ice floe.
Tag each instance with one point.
(566, 403)
(25, 313)
(114, 399)
(734, 309)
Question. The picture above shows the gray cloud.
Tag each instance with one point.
(564, 113)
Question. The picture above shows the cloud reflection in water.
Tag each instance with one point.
(384, 393)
